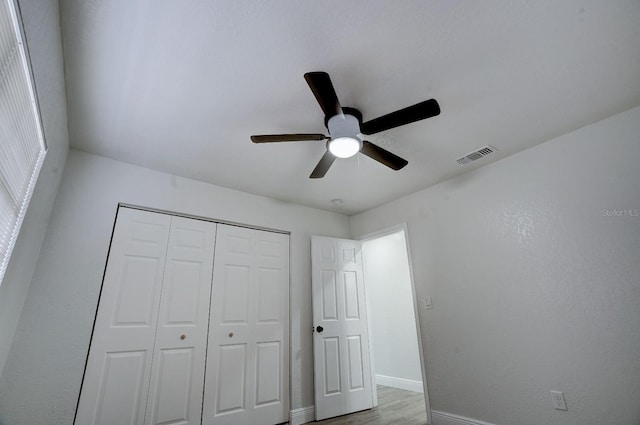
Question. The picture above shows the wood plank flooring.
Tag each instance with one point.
(394, 407)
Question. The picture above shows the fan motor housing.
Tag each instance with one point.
(346, 111)
(344, 126)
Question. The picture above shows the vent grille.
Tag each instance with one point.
(475, 155)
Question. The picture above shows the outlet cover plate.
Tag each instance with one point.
(427, 303)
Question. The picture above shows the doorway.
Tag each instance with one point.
(344, 368)
(397, 360)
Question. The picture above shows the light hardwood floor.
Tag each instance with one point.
(394, 407)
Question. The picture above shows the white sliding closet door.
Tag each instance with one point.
(248, 356)
(156, 289)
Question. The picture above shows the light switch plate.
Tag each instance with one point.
(558, 400)
(427, 303)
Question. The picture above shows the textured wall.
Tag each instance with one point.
(44, 370)
(41, 25)
(535, 280)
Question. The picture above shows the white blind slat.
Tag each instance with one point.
(22, 147)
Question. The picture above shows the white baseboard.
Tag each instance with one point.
(444, 418)
(302, 415)
(403, 384)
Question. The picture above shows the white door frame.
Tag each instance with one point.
(375, 235)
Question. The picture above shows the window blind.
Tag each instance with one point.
(22, 146)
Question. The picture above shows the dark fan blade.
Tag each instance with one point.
(325, 94)
(419, 111)
(323, 166)
(383, 156)
(270, 138)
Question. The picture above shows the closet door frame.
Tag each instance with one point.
(120, 205)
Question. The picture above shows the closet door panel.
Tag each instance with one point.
(177, 380)
(247, 367)
(230, 387)
(173, 387)
(268, 373)
(121, 391)
(117, 374)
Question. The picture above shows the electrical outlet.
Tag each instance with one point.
(558, 400)
(427, 303)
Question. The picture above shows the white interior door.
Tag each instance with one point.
(247, 377)
(177, 377)
(341, 344)
(116, 380)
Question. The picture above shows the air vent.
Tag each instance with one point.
(480, 153)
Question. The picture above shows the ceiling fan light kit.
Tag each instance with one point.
(345, 147)
(344, 130)
(346, 127)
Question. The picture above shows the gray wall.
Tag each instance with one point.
(535, 281)
(41, 25)
(394, 339)
(44, 370)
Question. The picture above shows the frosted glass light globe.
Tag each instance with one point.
(344, 147)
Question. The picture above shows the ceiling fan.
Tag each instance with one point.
(346, 127)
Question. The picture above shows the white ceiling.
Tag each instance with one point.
(179, 86)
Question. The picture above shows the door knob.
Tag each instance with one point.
(183, 336)
(319, 329)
